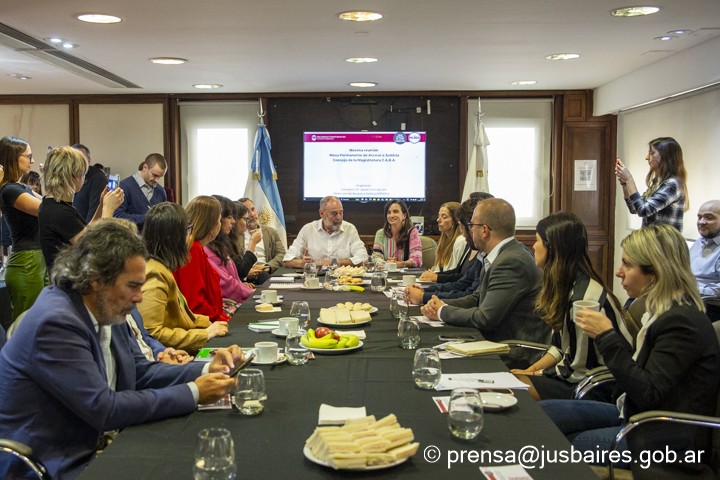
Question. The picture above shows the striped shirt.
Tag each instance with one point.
(387, 248)
(665, 205)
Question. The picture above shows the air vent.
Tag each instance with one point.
(24, 43)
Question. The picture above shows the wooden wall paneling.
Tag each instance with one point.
(598, 251)
(463, 142)
(556, 155)
(74, 122)
(174, 173)
(575, 107)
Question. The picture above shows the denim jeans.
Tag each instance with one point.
(589, 425)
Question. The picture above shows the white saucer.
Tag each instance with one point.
(275, 303)
(495, 402)
(278, 333)
(280, 359)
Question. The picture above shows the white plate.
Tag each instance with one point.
(371, 311)
(497, 401)
(345, 325)
(280, 359)
(278, 333)
(336, 351)
(276, 303)
(321, 287)
(314, 459)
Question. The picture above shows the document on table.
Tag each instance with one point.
(285, 286)
(283, 279)
(506, 472)
(426, 320)
(479, 380)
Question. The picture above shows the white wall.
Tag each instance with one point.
(120, 136)
(694, 121)
(39, 125)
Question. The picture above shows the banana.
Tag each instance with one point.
(355, 288)
(325, 342)
(353, 341)
(341, 343)
(311, 333)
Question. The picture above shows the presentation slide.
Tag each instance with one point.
(364, 166)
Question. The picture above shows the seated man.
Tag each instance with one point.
(72, 371)
(502, 308)
(705, 257)
(150, 346)
(327, 238)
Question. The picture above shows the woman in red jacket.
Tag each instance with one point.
(198, 281)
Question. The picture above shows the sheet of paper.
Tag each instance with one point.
(358, 333)
(506, 472)
(432, 323)
(224, 403)
(443, 403)
(450, 355)
(283, 279)
(285, 286)
(585, 175)
(479, 380)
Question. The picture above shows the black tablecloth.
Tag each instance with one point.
(378, 376)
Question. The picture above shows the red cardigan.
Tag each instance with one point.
(200, 284)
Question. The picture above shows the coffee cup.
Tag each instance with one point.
(408, 280)
(312, 282)
(268, 296)
(391, 267)
(580, 304)
(287, 324)
(266, 352)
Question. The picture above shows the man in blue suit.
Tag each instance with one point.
(142, 191)
(72, 371)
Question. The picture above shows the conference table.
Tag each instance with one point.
(377, 376)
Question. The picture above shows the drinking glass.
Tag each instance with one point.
(426, 368)
(250, 394)
(408, 333)
(465, 417)
(399, 304)
(214, 455)
(301, 311)
(378, 282)
(296, 352)
(369, 265)
(310, 270)
(330, 278)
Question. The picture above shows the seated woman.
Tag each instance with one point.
(164, 310)
(218, 253)
(59, 223)
(198, 281)
(452, 243)
(675, 362)
(568, 276)
(243, 258)
(398, 240)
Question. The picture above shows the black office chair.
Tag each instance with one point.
(24, 453)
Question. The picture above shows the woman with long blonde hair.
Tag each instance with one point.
(674, 364)
(452, 243)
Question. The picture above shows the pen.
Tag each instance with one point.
(476, 379)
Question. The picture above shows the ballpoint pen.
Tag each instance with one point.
(473, 379)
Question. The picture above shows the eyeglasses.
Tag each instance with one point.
(471, 225)
(28, 155)
(190, 228)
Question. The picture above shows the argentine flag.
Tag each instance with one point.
(262, 186)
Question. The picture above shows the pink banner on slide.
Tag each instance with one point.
(339, 137)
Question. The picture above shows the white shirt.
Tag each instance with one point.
(487, 261)
(259, 248)
(344, 243)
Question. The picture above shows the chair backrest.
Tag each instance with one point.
(429, 248)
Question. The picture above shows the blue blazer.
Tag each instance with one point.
(54, 395)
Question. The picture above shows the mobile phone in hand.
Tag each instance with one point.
(235, 371)
(113, 182)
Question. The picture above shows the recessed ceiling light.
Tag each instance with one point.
(99, 18)
(168, 60)
(207, 85)
(13, 74)
(360, 16)
(24, 78)
(680, 32)
(634, 11)
(55, 40)
(361, 60)
(363, 84)
(665, 38)
(524, 82)
(563, 56)
(69, 45)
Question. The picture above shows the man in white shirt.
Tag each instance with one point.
(705, 257)
(326, 239)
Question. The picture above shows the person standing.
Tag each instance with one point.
(665, 200)
(25, 271)
(142, 191)
(86, 201)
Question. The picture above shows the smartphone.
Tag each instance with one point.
(234, 372)
(113, 182)
(456, 338)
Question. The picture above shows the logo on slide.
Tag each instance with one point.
(399, 138)
(314, 138)
(414, 137)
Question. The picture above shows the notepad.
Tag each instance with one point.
(483, 347)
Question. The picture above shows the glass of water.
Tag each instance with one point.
(408, 333)
(250, 394)
(214, 455)
(399, 304)
(369, 264)
(465, 416)
(296, 352)
(378, 282)
(426, 368)
(301, 311)
(310, 270)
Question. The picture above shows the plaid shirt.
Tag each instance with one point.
(665, 205)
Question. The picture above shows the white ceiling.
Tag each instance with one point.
(301, 46)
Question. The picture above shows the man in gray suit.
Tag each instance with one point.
(502, 307)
